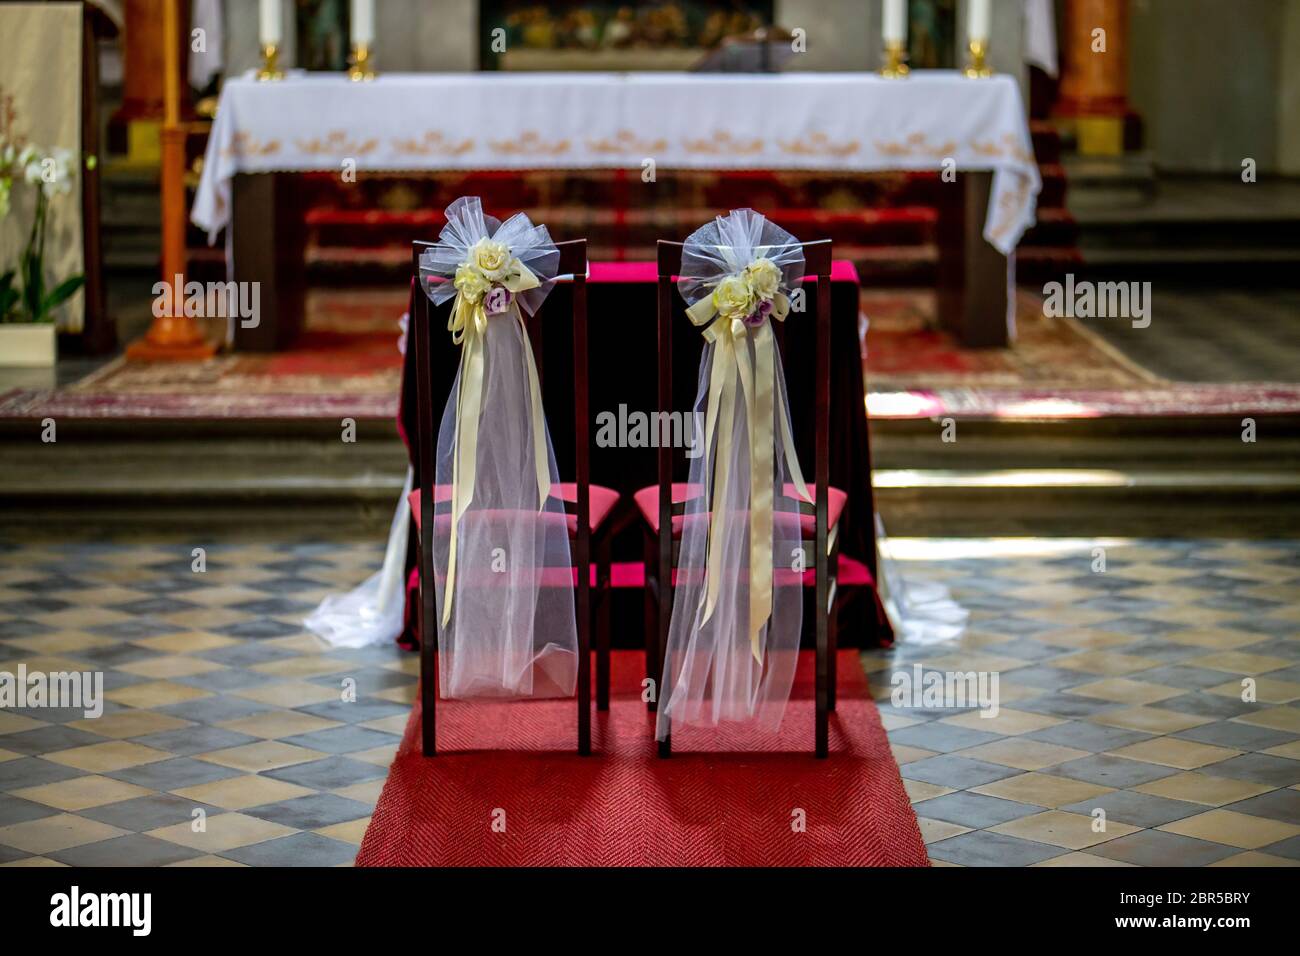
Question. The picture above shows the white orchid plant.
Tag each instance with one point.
(24, 296)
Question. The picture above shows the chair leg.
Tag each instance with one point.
(428, 662)
(651, 625)
(822, 730)
(584, 675)
(604, 598)
(665, 745)
(832, 662)
(428, 705)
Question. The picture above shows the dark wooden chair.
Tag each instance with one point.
(660, 503)
(588, 506)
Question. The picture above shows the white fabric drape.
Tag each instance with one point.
(922, 611)
(1040, 35)
(372, 612)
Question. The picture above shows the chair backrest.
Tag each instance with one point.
(817, 262)
(425, 339)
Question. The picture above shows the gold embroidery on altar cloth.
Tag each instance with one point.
(626, 141)
(433, 143)
(819, 144)
(529, 143)
(722, 143)
(243, 144)
(1010, 148)
(337, 143)
(918, 144)
(1010, 206)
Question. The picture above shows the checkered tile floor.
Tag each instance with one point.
(217, 700)
(1120, 691)
(1123, 737)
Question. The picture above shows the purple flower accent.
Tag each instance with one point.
(498, 300)
(759, 315)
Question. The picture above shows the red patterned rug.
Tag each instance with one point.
(734, 802)
(905, 350)
(347, 364)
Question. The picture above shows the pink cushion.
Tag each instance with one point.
(647, 502)
(601, 502)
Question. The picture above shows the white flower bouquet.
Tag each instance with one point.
(24, 295)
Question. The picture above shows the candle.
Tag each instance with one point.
(269, 22)
(979, 14)
(895, 25)
(363, 22)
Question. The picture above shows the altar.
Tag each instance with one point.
(973, 133)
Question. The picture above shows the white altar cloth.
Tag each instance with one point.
(855, 122)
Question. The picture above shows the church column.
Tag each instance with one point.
(174, 334)
(1094, 74)
(135, 126)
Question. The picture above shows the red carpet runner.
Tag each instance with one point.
(623, 806)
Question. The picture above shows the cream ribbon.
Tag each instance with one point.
(468, 326)
(761, 391)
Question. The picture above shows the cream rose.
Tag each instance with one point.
(764, 278)
(470, 282)
(492, 258)
(733, 298)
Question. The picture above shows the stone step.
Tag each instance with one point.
(1110, 180)
(277, 473)
(1112, 476)
(1087, 502)
(1052, 228)
(1047, 141)
(1189, 443)
(1218, 266)
(1138, 233)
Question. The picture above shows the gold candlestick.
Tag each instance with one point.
(895, 67)
(359, 63)
(269, 70)
(977, 69)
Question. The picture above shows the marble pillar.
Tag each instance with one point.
(134, 126)
(1094, 74)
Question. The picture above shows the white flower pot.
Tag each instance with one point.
(28, 345)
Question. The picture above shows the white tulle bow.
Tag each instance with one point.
(495, 269)
(737, 275)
